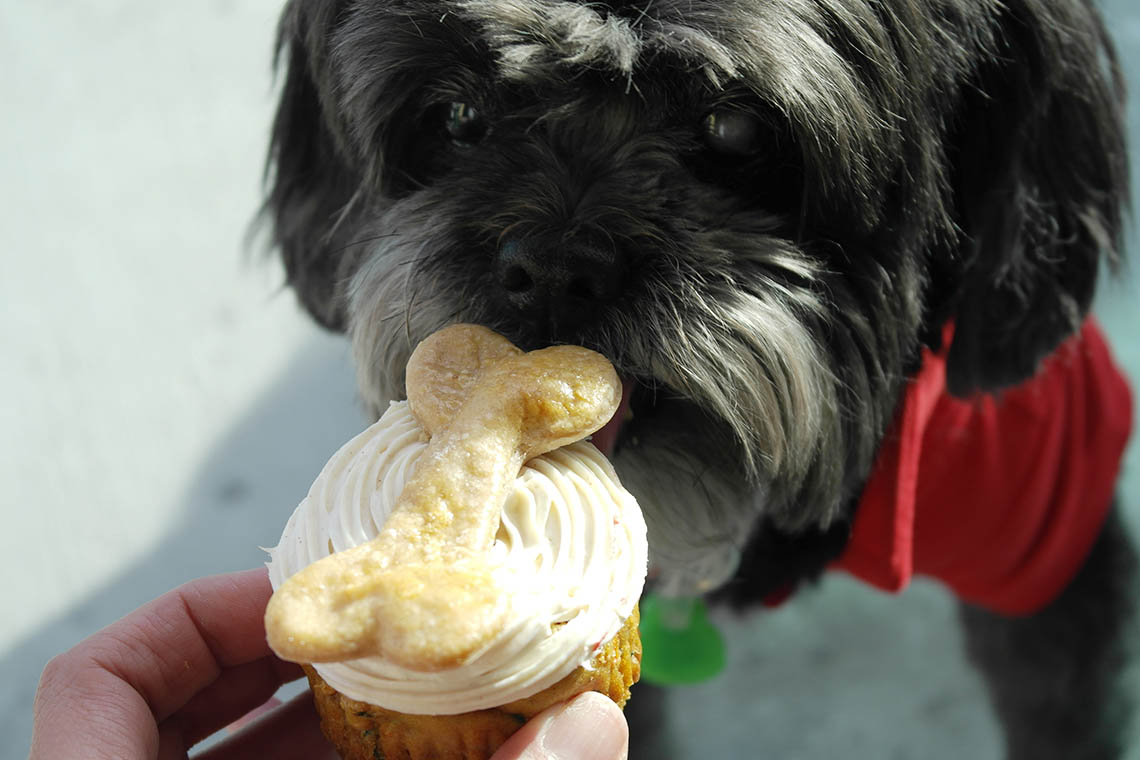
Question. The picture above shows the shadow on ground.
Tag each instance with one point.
(240, 499)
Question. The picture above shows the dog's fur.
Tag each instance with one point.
(886, 166)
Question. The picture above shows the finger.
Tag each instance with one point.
(237, 691)
(104, 695)
(290, 732)
(170, 649)
(91, 715)
(589, 727)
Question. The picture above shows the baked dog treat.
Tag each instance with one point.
(466, 561)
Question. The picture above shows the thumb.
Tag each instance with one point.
(588, 727)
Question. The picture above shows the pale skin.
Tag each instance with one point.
(195, 661)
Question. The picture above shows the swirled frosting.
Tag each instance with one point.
(571, 546)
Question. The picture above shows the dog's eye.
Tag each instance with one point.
(732, 133)
(464, 124)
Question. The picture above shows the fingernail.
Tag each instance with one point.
(591, 727)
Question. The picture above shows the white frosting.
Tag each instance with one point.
(572, 547)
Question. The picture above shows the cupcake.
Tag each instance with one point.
(445, 651)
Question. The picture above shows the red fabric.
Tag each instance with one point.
(1001, 497)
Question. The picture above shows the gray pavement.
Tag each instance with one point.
(164, 404)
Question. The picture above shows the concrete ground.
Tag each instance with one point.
(164, 404)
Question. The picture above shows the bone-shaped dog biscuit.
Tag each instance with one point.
(423, 594)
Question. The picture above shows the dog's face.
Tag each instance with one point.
(759, 210)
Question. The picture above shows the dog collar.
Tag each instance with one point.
(999, 497)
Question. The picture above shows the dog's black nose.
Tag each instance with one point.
(556, 288)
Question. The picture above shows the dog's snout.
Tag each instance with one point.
(555, 287)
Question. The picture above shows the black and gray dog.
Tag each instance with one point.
(765, 213)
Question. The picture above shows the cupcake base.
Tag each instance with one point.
(361, 731)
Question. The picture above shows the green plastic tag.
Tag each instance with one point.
(680, 645)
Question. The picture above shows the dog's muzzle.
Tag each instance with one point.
(554, 288)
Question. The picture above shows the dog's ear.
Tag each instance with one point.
(1041, 179)
(310, 185)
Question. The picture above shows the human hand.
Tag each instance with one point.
(170, 674)
(195, 660)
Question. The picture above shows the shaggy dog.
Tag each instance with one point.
(775, 217)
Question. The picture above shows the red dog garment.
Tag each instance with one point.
(1000, 498)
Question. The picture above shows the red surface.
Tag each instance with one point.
(998, 497)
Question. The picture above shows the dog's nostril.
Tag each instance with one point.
(583, 287)
(557, 287)
(515, 279)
